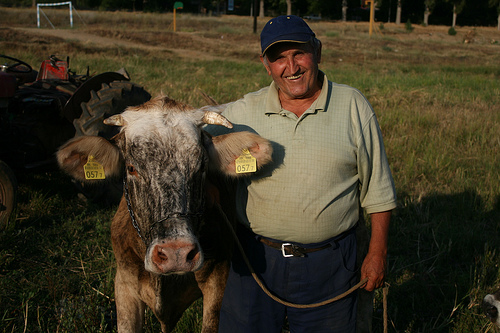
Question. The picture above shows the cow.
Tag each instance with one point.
(169, 235)
(491, 306)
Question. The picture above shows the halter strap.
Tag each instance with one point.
(198, 215)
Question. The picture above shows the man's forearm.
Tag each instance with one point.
(380, 232)
(375, 263)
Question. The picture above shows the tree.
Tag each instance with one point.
(335, 10)
(496, 4)
(429, 7)
(398, 13)
(344, 10)
(458, 6)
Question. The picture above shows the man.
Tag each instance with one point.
(298, 218)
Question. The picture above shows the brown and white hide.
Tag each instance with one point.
(170, 240)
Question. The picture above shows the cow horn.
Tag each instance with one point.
(214, 118)
(116, 120)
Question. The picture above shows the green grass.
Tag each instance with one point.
(438, 104)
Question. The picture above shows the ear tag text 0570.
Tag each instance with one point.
(93, 169)
(246, 163)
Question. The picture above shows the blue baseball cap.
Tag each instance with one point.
(285, 28)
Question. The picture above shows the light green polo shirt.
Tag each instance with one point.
(326, 164)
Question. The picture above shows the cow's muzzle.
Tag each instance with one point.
(174, 257)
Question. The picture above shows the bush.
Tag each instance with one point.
(452, 31)
(408, 26)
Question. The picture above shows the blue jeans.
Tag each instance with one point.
(316, 277)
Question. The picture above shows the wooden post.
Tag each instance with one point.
(255, 2)
(175, 27)
(177, 5)
(372, 16)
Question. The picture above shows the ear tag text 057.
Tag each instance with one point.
(246, 163)
(93, 169)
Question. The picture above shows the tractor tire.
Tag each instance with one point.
(111, 99)
(8, 190)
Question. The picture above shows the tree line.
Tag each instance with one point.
(435, 12)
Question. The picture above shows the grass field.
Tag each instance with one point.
(438, 103)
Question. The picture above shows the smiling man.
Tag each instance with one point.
(297, 219)
(294, 69)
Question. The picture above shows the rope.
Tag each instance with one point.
(269, 293)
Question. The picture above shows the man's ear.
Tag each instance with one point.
(264, 62)
(318, 52)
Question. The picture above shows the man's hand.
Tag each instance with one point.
(375, 263)
(373, 268)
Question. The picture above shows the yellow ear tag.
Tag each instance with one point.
(246, 163)
(93, 170)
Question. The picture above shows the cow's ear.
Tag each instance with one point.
(225, 149)
(74, 154)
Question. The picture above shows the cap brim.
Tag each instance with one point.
(284, 41)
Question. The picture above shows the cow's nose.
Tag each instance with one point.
(176, 257)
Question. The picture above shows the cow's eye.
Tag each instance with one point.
(131, 170)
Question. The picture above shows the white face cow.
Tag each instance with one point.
(165, 212)
(165, 181)
(166, 156)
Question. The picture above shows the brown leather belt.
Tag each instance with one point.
(291, 250)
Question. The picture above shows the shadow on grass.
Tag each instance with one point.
(442, 261)
(56, 266)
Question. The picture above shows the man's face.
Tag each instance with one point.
(294, 68)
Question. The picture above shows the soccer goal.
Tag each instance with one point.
(39, 9)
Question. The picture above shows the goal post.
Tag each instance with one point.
(38, 10)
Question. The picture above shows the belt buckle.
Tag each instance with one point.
(284, 252)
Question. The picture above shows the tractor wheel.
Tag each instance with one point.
(112, 98)
(8, 190)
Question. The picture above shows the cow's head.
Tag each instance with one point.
(166, 156)
(491, 307)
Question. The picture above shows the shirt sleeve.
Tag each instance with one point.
(377, 190)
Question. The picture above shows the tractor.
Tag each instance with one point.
(40, 110)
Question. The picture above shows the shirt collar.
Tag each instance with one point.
(273, 104)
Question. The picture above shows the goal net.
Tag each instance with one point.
(39, 10)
